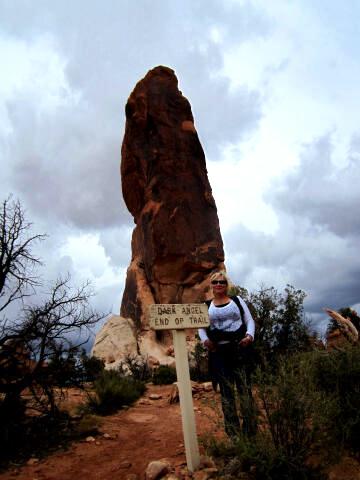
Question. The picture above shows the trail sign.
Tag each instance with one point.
(178, 317)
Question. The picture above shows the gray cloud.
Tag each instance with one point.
(68, 159)
(66, 172)
(316, 245)
(319, 190)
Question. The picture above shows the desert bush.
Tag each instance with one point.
(258, 458)
(337, 374)
(294, 411)
(198, 361)
(292, 423)
(64, 369)
(164, 375)
(281, 325)
(113, 391)
(91, 367)
(136, 366)
(88, 424)
(36, 436)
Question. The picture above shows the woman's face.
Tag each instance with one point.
(219, 284)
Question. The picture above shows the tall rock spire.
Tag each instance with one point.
(176, 243)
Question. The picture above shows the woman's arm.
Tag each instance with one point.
(202, 334)
(205, 340)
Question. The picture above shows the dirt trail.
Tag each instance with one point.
(149, 430)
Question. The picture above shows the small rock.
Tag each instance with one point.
(206, 462)
(76, 416)
(89, 439)
(32, 461)
(107, 436)
(155, 396)
(97, 443)
(207, 386)
(125, 464)
(185, 473)
(156, 469)
(205, 474)
(174, 394)
(132, 476)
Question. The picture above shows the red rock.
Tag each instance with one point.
(176, 243)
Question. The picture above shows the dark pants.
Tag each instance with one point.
(230, 367)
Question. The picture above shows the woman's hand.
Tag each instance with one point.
(246, 340)
(210, 345)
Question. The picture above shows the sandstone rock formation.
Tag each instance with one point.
(115, 340)
(346, 329)
(176, 243)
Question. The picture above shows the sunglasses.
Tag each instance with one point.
(218, 282)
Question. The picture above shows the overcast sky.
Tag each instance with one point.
(274, 89)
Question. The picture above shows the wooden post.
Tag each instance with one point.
(178, 317)
(186, 401)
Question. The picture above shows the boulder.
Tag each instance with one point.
(176, 243)
(115, 340)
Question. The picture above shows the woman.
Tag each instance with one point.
(228, 340)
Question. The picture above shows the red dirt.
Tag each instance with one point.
(149, 430)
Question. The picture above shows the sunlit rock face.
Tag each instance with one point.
(176, 243)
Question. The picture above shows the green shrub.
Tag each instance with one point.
(35, 436)
(164, 375)
(92, 367)
(337, 374)
(88, 425)
(113, 391)
(291, 417)
(198, 361)
(136, 366)
(291, 407)
(259, 456)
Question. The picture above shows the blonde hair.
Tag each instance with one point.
(222, 273)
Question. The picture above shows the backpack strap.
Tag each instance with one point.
(240, 307)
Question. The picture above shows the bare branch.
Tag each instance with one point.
(17, 263)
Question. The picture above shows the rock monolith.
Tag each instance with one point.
(176, 243)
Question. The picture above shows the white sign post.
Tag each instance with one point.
(178, 317)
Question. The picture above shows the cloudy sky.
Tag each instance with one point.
(274, 89)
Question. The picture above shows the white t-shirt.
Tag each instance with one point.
(228, 319)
